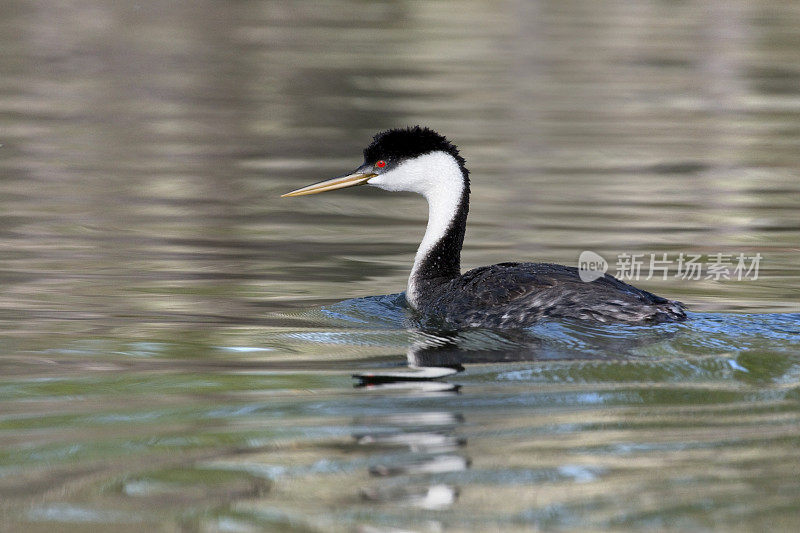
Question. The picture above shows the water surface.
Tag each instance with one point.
(177, 343)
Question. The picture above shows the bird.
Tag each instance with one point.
(509, 295)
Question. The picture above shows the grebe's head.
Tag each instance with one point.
(407, 159)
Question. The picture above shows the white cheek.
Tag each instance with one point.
(387, 181)
(423, 175)
(406, 177)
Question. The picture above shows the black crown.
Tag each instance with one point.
(396, 145)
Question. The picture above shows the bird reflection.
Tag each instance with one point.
(437, 355)
(417, 453)
(412, 450)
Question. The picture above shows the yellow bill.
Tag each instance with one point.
(351, 180)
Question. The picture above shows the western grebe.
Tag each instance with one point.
(505, 295)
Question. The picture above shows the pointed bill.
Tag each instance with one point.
(350, 180)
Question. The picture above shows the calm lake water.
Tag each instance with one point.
(177, 343)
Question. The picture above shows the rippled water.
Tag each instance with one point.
(178, 344)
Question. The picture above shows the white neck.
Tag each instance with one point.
(441, 211)
(436, 176)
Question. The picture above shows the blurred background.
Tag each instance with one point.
(147, 259)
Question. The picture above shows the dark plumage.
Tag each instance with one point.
(513, 295)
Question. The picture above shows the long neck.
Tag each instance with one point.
(438, 258)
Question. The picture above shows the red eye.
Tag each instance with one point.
(380, 164)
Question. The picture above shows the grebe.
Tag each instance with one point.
(505, 295)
